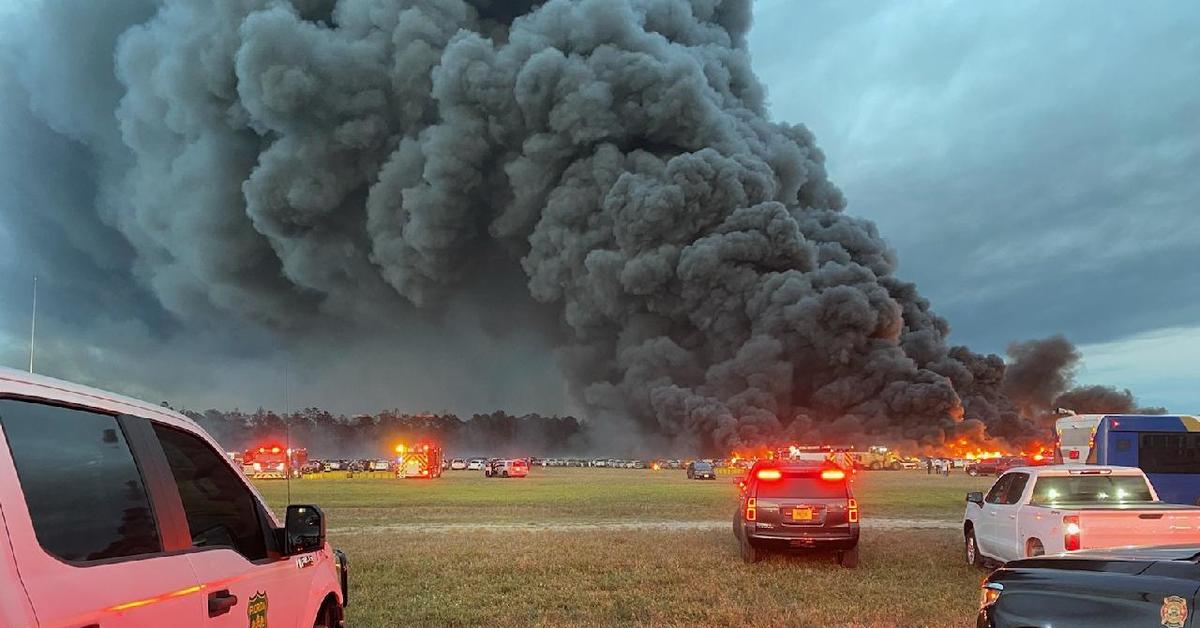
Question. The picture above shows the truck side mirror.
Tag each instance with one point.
(975, 497)
(303, 529)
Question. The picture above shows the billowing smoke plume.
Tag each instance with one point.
(1040, 381)
(313, 161)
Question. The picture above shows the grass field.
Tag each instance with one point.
(604, 547)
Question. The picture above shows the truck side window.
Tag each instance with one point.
(1016, 488)
(85, 494)
(220, 510)
(999, 489)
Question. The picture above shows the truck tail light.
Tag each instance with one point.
(1074, 455)
(1071, 533)
(751, 509)
(852, 510)
(833, 475)
(769, 474)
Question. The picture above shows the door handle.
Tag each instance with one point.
(1012, 516)
(219, 602)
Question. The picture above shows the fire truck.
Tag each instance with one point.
(422, 460)
(272, 462)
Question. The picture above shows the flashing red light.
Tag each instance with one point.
(833, 475)
(1071, 533)
(262, 450)
(751, 509)
(769, 474)
(852, 510)
(274, 450)
(1074, 455)
(426, 447)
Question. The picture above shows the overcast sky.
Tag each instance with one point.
(1033, 164)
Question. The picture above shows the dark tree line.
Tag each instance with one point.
(371, 436)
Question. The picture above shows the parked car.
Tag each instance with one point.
(476, 464)
(701, 470)
(1128, 586)
(146, 523)
(458, 464)
(995, 466)
(507, 468)
(381, 465)
(795, 506)
(1031, 511)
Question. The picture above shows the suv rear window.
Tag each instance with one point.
(85, 494)
(797, 485)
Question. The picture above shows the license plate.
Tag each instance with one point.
(802, 514)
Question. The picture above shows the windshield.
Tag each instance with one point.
(1100, 489)
(702, 466)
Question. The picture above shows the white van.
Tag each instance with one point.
(115, 512)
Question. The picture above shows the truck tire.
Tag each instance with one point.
(330, 616)
(971, 547)
(750, 554)
(875, 466)
(896, 466)
(1034, 548)
(505, 474)
(848, 558)
(973, 472)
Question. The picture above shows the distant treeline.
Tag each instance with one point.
(327, 435)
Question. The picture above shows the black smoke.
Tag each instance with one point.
(600, 176)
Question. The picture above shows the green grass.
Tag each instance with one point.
(629, 577)
(588, 495)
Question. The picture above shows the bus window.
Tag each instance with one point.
(1169, 452)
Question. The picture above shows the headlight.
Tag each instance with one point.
(990, 593)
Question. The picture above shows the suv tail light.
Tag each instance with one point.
(751, 509)
(852, 510)
(833, 475)
(1071, 533)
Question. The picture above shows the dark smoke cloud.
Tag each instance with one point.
(1040, 381)
(381, 164)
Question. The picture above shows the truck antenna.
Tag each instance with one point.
(287, 428)
(33, 324)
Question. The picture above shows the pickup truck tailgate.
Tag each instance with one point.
(1162, 524)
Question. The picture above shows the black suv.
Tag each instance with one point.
(790, 507)
(701, 470)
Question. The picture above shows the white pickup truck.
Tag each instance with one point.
(1031, 511)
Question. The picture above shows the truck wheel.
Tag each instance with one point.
(972, 550)
(972, 471)
(895, 466)
(750, 554)
(1034, 548)
(875, 466)
(505, 474)
(330, 616)
(848, 558)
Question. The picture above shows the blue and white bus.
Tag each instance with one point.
(1165, 447)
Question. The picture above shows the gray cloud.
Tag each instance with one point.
(1034, 174)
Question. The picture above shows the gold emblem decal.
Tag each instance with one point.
(257, 610)
(1174, 612)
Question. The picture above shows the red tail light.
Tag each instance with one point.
(852, 510)
(833, 475)
(769, 474)
(1074, 454)
(751, 509)
(1072, 533)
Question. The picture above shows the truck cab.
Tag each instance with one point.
(143, 520)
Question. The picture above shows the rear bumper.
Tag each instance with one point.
(833, 538)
